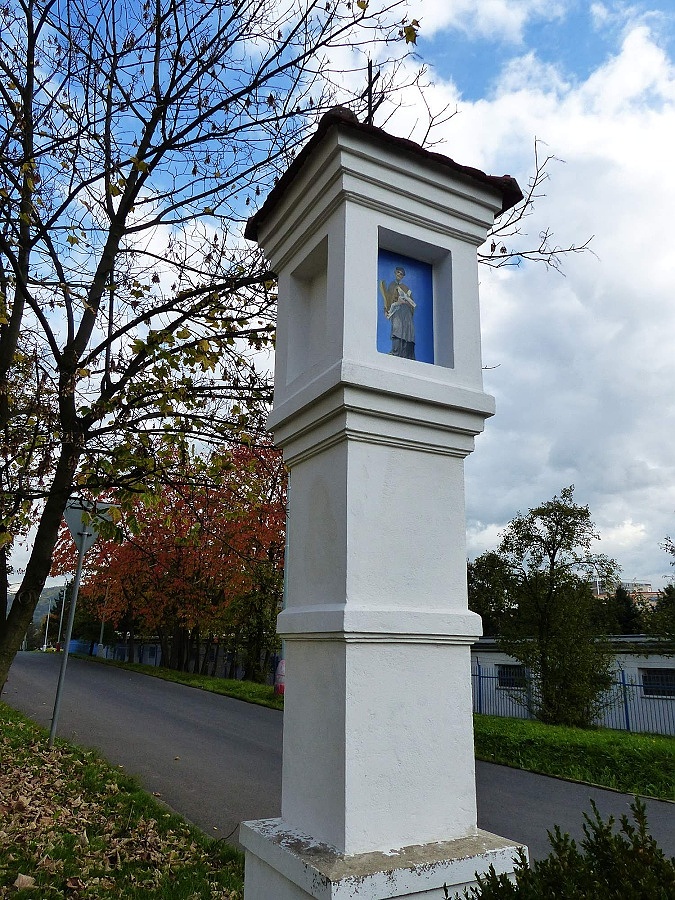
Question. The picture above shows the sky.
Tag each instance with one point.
(582, 364)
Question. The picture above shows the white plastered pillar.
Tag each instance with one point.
(378, 789)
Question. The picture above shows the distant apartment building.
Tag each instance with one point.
(641, 589)
(638, 589)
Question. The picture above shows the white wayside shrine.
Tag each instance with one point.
(378, 397)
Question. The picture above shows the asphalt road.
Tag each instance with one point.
(217, 761)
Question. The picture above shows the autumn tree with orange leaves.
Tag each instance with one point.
(202, 563)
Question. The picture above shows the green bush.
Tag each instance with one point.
(608, 865)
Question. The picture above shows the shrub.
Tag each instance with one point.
(610, 865)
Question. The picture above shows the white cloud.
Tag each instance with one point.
(626, 535)
(620, 16)
(584, 364)
(581, 366)
(483, 537)
(502, 20)
(600, 15)
(523, 72)
(635, 77)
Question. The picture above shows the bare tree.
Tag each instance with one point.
(134, 139)
(505, 246)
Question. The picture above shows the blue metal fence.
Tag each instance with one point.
(642, 704)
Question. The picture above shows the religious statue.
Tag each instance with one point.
(399, 308)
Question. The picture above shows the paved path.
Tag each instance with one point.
(217, 761)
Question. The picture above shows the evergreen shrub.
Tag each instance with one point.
(608, 864)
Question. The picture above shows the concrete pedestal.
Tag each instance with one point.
(287, 865)
(378, 785)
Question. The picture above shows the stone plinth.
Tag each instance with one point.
(298, 867)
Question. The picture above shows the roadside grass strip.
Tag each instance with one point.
(249, 691)
(642, 764)
(73, 826)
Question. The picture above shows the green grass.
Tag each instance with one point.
(632, 763)
(78, 827)
(249, 691)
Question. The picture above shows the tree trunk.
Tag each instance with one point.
(195, 650)
(4, 584)
(20, 616)
(164, 645)
(255, 643)
(216, 660)
(204, 667)
(179, 649)
(233, 653)
(253, 652)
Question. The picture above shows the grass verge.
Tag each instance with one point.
(249, 691)
(632, 763)
(72, 826)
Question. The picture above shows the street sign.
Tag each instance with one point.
(85, 534)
